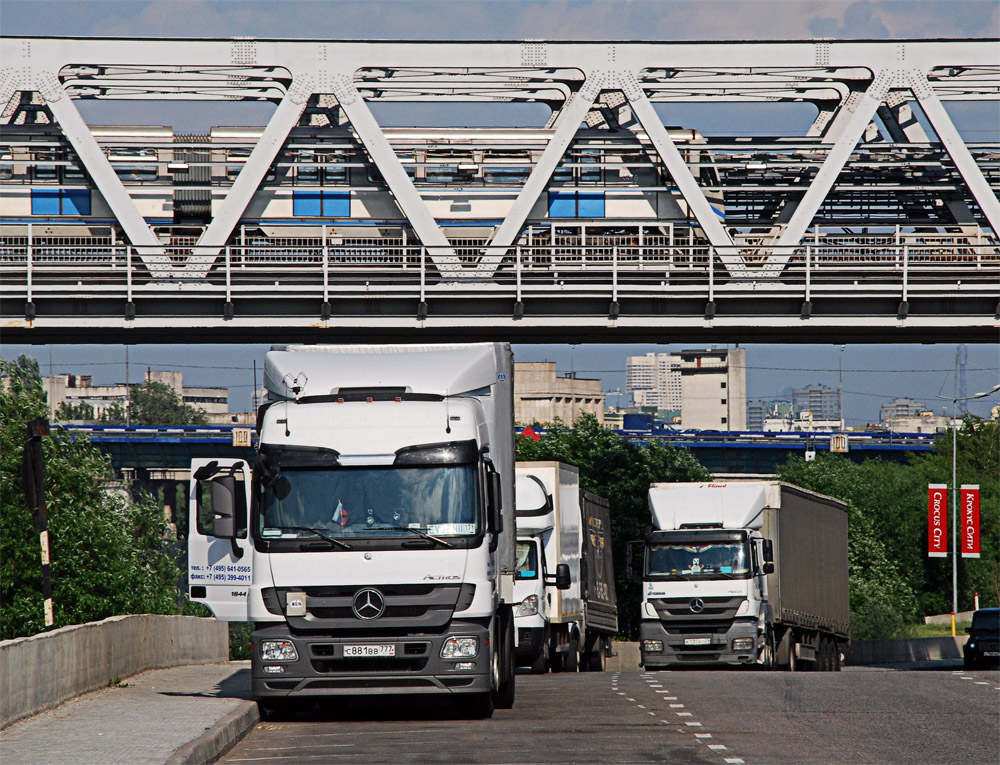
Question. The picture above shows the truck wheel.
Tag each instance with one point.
(478, 707)
(505, 647)
(541, 663)
(277, 710)
(571, 661)
(597, 658)
(836, 655)
(768, 656)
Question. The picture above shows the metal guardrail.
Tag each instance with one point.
(934, 267)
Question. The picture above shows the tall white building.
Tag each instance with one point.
(714, 389)
(654, 380)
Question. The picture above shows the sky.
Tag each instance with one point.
(871, 374)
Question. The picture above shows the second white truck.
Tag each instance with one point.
(744, 573)
(564, 591)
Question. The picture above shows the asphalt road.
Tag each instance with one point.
(859, 715)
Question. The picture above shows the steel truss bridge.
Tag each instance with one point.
(601, 223)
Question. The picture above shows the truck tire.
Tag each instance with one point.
(505, 647)
(477, 707)
(597, 658)
(277, 710)
(571, 661)
(541, 663)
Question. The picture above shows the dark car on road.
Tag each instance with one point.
(983, 647)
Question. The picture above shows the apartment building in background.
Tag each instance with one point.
(541, 396)
(654, 380)
(80, 389)
(714, 389)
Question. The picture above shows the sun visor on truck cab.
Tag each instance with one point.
(731, 505)
(297, 371)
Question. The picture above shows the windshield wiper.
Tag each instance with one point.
(416, 531)
(319, 534)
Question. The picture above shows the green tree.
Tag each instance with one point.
(621, 472)
(893, 581)
(155, 403)
(79, 411)
(109, 552)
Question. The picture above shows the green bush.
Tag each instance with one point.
(110, 552)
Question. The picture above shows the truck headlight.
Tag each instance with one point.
(743, 644)
(460, 647)
(652, 646)
(527, 607)
(278, 650)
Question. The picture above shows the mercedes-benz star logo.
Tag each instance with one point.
(697, 605)
(368, 604)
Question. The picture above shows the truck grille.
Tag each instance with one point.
(669, 609)
(368, 666)
(408, 607)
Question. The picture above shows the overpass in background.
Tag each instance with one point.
(159, 458)
(604, 222)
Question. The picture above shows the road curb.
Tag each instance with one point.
(218, 740)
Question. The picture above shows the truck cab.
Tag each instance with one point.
(376, 534)
(704, 596)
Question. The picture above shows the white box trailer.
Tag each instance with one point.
(745, 572)
(564, 592)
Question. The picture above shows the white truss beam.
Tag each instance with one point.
(847, 134)
(716, 233)
(570, 118)
(285, 117)
(79, 135)
(409, 200)
(956, 148)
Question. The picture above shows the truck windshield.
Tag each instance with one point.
(707, 560)
(370, 502)
(527, 561)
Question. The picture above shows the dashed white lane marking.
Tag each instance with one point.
(965, 677)
(704, 738)
(981, 682)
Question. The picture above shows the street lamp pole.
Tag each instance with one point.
(954, 488)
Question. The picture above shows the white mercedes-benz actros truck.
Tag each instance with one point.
(372, 544)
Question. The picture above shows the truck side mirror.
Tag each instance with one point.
(495, 502)
(768, 550)
(630, 556)
(769, 568)
(562, 576)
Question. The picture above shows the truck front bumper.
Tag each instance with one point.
(529, 645)
(323, 669)
(676, 643)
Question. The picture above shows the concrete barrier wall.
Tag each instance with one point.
(910, 649)
(862, 652)
(961, 616)
(41, 671)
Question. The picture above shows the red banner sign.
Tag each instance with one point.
(937, 520)
(968, 511)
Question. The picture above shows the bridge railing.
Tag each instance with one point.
(112, 269)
